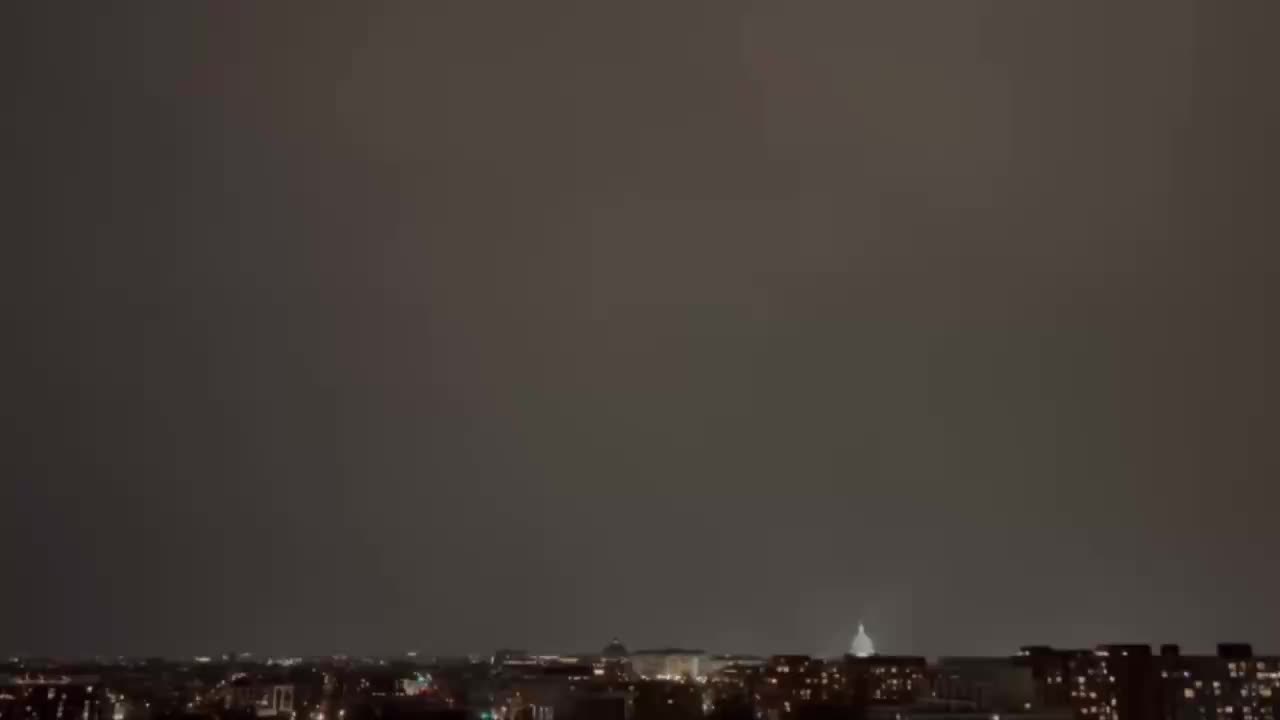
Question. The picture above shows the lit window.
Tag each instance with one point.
(1188, 693)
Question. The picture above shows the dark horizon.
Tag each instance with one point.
(344, 327)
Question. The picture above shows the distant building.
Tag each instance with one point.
(1232, 685)
(54, 697)
(712, 665)
(790, 682)
(1129, 682)
(862, 645)
(559, 693)
(506, 655)
(1053, 671)
(1118, 681)
(266, 699)
(984, 684)
(885, 679)
(614, 663)
(669, 664)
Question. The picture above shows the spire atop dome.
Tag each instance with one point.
(862, 645)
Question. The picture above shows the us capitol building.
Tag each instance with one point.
(862, 645)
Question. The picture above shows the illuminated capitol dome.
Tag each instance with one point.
(862, 645)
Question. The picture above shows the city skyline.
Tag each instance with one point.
(1112, 681)
(853, 646)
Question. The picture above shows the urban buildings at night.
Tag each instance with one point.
(1108, 682)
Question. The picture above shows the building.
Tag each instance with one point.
(1117, 681)
(1231, 685)
(713, 665)
(266, 699)
(669, 664)
(54, 697)
(556, 687)
(731, 688)
(1052, 670)
(885, 679)
(614, 663)
(862, 646)
(1002, 685)
(1129, 682)
(791, 682)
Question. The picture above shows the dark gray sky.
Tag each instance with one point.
(455, 326)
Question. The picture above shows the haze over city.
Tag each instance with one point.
(361, 328)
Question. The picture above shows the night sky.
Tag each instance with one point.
(460, 326)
